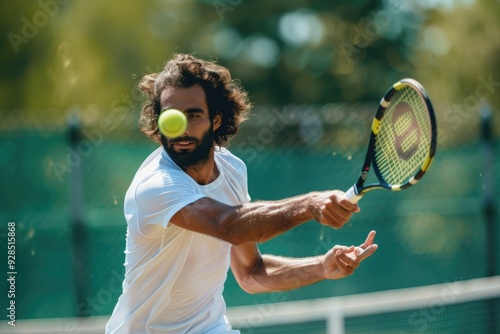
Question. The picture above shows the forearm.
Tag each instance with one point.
(258, 273)
(260, 221)
(276, 273)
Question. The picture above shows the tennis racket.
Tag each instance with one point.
(402, 141)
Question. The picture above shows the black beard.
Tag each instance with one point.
(186, 158)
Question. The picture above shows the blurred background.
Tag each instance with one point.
(315, 71)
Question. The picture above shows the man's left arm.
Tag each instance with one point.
(258, 273)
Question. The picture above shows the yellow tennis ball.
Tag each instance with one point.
(172, 123)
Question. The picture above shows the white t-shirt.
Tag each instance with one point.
(174, 277)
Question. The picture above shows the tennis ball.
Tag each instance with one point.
(172, 123)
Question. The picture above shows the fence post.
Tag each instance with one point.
(489, 207)
(335, 323)
(77, 215)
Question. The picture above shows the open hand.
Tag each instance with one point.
(341, 261)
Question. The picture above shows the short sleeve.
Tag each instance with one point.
(160, 197)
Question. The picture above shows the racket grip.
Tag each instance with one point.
(352, 195)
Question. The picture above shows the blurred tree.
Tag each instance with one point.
(459, 55)
(92, 53)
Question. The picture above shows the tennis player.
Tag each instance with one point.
(190, 217)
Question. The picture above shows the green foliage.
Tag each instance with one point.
(459, 50)
(60, 53)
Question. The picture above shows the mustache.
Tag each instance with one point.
(181, 139)
(187, 138)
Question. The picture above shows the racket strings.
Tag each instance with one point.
(402, 144)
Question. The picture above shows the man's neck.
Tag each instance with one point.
(204, 172)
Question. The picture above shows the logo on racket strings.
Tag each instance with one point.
(406, 131)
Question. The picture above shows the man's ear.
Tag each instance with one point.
(217, 121)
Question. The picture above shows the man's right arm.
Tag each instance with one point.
(261, 221)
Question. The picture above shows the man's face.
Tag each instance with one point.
(195, 145)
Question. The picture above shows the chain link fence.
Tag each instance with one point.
(64, 180)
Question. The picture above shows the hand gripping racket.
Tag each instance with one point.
(402, 141)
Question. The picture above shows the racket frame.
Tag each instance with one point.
(359, 189)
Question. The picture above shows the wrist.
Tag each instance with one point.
(323, 267)
(313, 209)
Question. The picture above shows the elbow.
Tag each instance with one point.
(252, 279)
(249, 290)
(250, 286)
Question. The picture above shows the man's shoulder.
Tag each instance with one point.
(223, 154)
(157, 171)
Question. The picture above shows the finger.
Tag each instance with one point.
(343, 249)
(343, 267)
(347, 205)
(332, 220)
(369, 240)
(348, 260)
(337, 217)
(334, 205)
(367, 252)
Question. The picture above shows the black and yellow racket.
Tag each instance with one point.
(402, 141)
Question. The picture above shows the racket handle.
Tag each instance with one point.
(352, 195)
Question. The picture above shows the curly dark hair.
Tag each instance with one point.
(224, 94)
